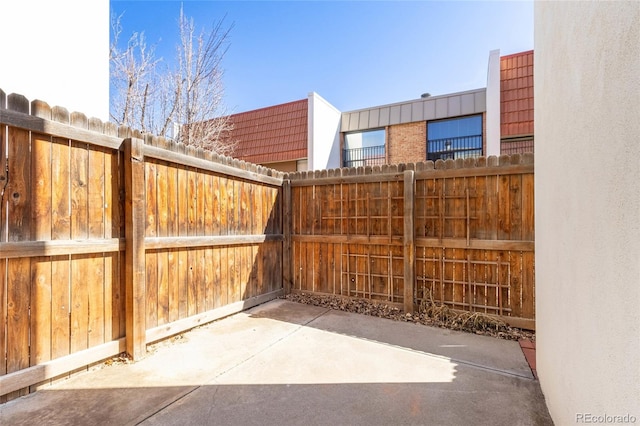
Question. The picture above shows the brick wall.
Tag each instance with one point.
(407, 143)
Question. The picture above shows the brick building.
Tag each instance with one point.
(494, 120)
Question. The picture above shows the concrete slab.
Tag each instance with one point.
(286, 363)
(492, 353)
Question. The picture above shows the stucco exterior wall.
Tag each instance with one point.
(324, 134)
(58, 52)
(492, 121)
(587, 177)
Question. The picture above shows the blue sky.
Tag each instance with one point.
(355, 54)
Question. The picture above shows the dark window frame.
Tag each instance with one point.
(453, 147)
(364, 155)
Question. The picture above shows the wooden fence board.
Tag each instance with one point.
(40, 332)
(40, 328)
(60, 306)
(268, 211)
(18, 188)
(217, 277)
(244, 266)
(79, 190)
(96, 193)
(3, 182)
(208, 299)
(192, 202)
(17, 337)
(4, 311)
(480, 209)
(515, 214)
(237, 285)
(151, 265)
(262, 281)
(504, 216)
(96, 229)
(528, 279)
(183, 284)
(208, 214)
(224, 275)
(80, 269)
(162, 199)
(200, 199)
(111, 279)
(223, 219)
(173, 288)
(528, 209)
(180, 214)
(41, 184)
(234, 214)
(172, 198)
(191, 282)
(198, 280)
(492, 212)
(216, 214)
(96, 301)
(61, 213)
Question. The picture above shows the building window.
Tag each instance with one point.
(454, 138)
(364, 148)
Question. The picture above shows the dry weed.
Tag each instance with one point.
(429, 313)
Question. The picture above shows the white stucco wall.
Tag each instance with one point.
(587, 182)
(324, 134)
(58, 52)
(493, 104)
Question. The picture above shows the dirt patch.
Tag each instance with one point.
(429, 313)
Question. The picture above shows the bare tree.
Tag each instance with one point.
(198, 87)
(184, 102)
(131, 72)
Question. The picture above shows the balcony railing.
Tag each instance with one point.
(516, 145)
(460, 147)
(368, 156)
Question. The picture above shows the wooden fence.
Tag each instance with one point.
(454, 232)
(109, 241)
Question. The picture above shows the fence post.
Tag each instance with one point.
(408, 240)
(135, 252)
(286, 249)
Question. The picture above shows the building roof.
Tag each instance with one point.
(273, 134)
(431, 108)
(516, 97)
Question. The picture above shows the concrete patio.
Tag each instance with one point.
(284, 363)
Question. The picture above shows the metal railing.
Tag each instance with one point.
(516, 145)
(460, 147)
(367, 156)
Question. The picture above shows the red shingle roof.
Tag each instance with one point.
(516, 94)
(272, 134)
